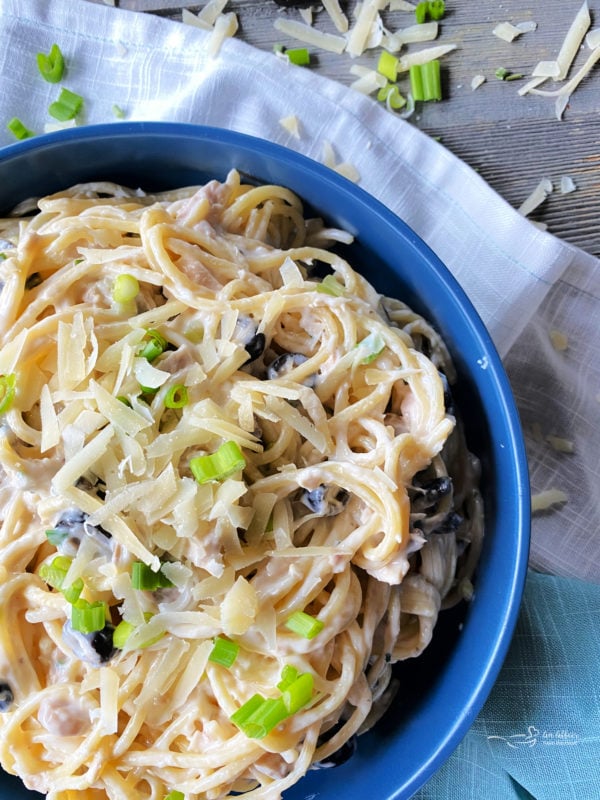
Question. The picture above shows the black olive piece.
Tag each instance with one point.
(102, 642)
(326, 501)
(255, 347)
(33, 280)
(340, 756)
(6, 697)
(72, 518)
(432, 492)
(449, 524)
(284, 364)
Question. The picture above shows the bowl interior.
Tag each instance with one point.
(442, 692)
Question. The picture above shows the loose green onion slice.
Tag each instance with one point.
(51, 66)
(298, 693)
(118, 112)
(288, 675)
(224, 652)
(18, 129)
(298, 55)
(125, 288)
(175, 795)
(304, 625)
(7, 391)
(425, 81)
(73, 592)
(330, 285)
(88, 617)
(388, 66)
(421, 12)
(177, 396)
(143, 577)
(155, 344)
(436, 9)
(390, 94)
(67, 106)
(217, 466)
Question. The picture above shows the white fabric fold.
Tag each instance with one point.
(522, 280)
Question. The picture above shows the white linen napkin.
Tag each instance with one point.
(523, 281)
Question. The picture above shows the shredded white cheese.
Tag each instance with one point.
(536, 198)
(225, 27)
(559, 340)
(546, 499)
(339, 19)
(476, 81)
(423, 56)
(573, 39)
(362, 29)
(506, 31)
(426, 32)
(311, 36)
(567, 184)
(560, 444)
(368, 80)
(291, 124)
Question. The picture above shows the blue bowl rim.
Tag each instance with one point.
(515, 450)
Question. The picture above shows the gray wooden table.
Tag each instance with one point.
(512, 141)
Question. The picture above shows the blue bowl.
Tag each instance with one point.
(443, 690)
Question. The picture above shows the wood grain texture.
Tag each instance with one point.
(511, 141)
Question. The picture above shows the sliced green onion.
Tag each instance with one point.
(501, 73)
(143, 577)
(421, 12)
(175, 795)
(390, 94)
(436, 9)
(217, 466)
(298, 693)
(122, 633)
(118, 112)
(298, 55)
(125, 288)
(125, 400)
(67, 106)
(388, 66)
(224, 652)
(88, 617)
(56, 536)
(244, 713)
(18, 129)
(266, 716)
(330, 285)
(304, 625)
(155, 344)
(177, 396)
(124, 630)
(425, 81)
(288, 675)
(7, 391)
(73, 592)
(373, 344)
(51, 66)
(55, 572)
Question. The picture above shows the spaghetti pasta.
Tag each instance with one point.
(232, 496)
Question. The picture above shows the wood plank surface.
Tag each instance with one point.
(512, 141)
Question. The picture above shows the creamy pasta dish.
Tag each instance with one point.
(234, 492)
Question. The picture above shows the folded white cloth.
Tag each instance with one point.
(523, 281)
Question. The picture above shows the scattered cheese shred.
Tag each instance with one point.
(344, 168)
(291, 124)
(546, 499)
(573, 39)
(476, 81)
(536, 198)
(560, 444)
(420, 57)
(567, 184)
(560, 340)
(109, 697)
(361, 30)
(426, 32)
(339, 19)
(507, 31)
(308, 35)
(225, 27)
(368, 80)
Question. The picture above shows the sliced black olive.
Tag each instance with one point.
(33, 280)
(326, 501)
(255, 347)
(102, 642)
(284, 364)
(6, 697)
(451, 523)
(431, 492)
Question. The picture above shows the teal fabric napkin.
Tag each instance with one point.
(538, 735)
